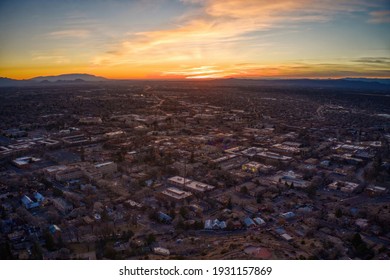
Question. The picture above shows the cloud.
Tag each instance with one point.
(76, 33)
(57, 59)
(380, 16)
(220, 31)
(374, 60)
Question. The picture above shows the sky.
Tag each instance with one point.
(194, 39)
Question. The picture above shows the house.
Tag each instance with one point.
(288, 215)
(249, 223)
(55, 231)
(286, 237)
(214, 224)
(259, 221)
(38, 197)
(175, 194)
(28, 203)
(161, 251)
(164, 218)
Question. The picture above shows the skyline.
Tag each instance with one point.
(195, 39)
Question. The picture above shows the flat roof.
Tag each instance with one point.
(103, 164)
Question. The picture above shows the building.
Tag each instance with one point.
(344, 186)
(175, 194)
(375, 190)
(165, 218)
(191, 185)
(38, 197)
(114, 134)
(288, 215)
(55, 231)
(24, 162)
(52, 170)
(249, 223)
(161, 251)
(91, 172)
(75, 139)
(273, 158)
(28, 203)
(253, 167)
(107, 168)
(259, 221)
(286, 149)
(294, 182)
(62, 206)
(286, 237)
(69, 173)
(90, 120)
(214, 224)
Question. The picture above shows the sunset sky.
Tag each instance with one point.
(195, 39)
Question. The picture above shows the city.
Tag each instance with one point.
(215, 169)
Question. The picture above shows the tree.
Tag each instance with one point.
(109, 252)
(259, 198)
(338, 213)
(49, 241)
(360, 247)
(183, 212)
(229, 203)
(58, 192)
(244, 190)
(150, 239)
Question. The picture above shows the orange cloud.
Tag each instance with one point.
(219, 31)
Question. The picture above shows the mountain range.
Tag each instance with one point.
(64, 79)
(59, 79)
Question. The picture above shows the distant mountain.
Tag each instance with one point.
(381, 81)
(81, 79)
(69, 78)
(346, 83)
(6, 82)
(52, 80)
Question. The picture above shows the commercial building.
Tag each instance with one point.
(347, 187)
(375, 190)
(175, 194)
(192, 185)
(24, 162)
(272, 158)
(69, 173)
